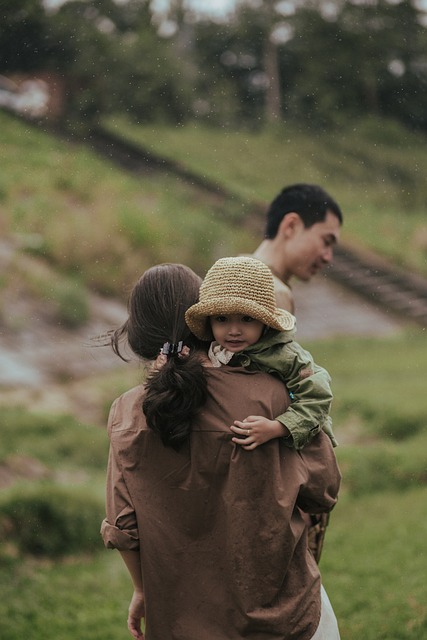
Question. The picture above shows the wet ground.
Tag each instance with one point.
(40, 354)
(34, 352)
(325, 309)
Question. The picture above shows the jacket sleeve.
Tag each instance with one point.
(311, 395)
(319, 490)
(119, 529)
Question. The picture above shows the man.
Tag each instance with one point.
(303, 226)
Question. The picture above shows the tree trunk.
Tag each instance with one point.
(271, 68)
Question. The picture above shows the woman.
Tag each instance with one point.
(212, 535)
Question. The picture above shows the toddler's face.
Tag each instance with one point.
(235, 332)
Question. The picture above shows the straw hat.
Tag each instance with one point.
(241, 285)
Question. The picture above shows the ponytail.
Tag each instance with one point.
(156, 316)
(174, 395)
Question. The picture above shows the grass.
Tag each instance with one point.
(88, 224)
(373, 565)
(95, 223)
(84, 597)
(55, 440)
(373, 568)
(379, 412)
(101, 227)
(385, 374)
(373, 169)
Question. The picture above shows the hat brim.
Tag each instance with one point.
(197, 316)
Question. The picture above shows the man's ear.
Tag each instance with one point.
(290, 224)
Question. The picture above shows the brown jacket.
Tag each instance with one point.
(222, 543)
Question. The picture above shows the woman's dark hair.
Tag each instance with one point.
(156, 308)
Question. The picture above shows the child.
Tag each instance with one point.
(237, 308)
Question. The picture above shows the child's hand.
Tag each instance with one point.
(255, 430)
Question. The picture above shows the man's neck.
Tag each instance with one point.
(266, 252)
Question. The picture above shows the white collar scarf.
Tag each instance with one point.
(218, 355)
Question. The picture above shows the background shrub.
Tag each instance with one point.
(51, 521)
(384, 466)
(56, 440)
(72, 303)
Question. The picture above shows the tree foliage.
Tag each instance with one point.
(314, 62)
(368, 59)
(335, 60)
(110, 56)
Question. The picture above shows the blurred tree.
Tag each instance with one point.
(84, 31)
(117, 61)
(229, 66)
(321, 62)
(110, 55)
(246, 52)
(316, 62)
(403, 84)
(357, 58)
(23, 45)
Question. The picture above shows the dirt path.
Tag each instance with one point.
(40, 354)
(47, 367)
(325, 308)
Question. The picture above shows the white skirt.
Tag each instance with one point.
(328, 626)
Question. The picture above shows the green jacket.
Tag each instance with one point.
(308, 384)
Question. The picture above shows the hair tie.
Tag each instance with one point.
(171, 348)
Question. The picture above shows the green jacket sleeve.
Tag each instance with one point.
(309, 388)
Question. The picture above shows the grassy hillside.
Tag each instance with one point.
(373, 565)
(76, 222)
(93, 223)
(100, 227)
(374, 169)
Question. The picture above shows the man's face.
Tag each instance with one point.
(310, 249)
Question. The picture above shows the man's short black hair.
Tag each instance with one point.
(309, 201)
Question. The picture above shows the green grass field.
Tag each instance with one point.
(100, 226)
(95, 225)
(88, 225)
(373, 168)
(373, 567)
(373, 564)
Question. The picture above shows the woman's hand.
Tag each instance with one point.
(136, 614)
(255, 430)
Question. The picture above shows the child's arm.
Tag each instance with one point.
(309, 388)
(255, 430)
(311, 394)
